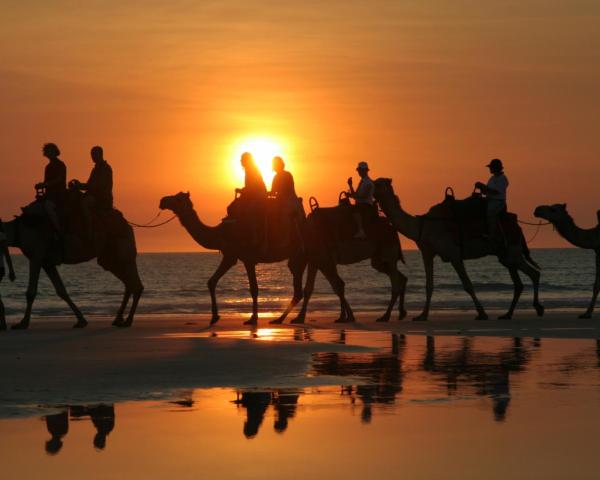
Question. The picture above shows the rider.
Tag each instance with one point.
(495, 194)
(98, 188)
(55, 184)
(282, 187)
(253, 196)
(363, 197)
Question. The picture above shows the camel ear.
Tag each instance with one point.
(563, 206)
(187, 194)
(389, 181)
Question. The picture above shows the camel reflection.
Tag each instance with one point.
(101, 416)
(466, 369)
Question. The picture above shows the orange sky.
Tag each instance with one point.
(426, 91)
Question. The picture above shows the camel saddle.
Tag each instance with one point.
(271, 223)
(108, 226)
(466, 218)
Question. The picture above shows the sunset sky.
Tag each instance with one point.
(425, 91)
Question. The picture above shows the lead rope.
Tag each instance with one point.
(149, 224)
(539, 226)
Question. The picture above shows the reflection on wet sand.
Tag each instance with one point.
(461, 368)
(102, 417)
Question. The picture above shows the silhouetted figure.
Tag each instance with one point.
(256, 404)
(495, 194)
(58, 427)
(363, 196)
(285, 403)
(98, 189)
(250, 209)
(282, 187)
(103, 418)
(54, 186)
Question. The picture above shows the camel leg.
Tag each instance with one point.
(518, 289)
(403, 281)
(534, 275)
(296, 267)
(395, 283)
(590, 310)
(119, 319)
(62, 293)
(133, 284)
(428, 264)
(308, 290)
(253, 282)
(222, 269)
(459, 266)
(338, 285)
(34, 277)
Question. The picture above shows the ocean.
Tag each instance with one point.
(176, 284)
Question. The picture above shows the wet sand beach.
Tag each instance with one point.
(55, 364)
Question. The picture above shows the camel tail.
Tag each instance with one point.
(527, 252)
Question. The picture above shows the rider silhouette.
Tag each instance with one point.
(54, 184)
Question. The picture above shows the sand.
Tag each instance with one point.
(53, 364)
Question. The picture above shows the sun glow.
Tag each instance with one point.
(263, 149)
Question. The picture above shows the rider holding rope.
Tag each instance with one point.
(363, 197)
(495, 194)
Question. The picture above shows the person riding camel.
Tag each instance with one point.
(284, 193)
(54, 185)
(282, 187)
(495, 194)
(363, 197)
(252, 197)
(98, 189)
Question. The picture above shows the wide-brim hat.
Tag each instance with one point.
(362, 166)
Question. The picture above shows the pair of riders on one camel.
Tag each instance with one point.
(78, 203)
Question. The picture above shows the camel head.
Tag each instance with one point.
(383, 189)
(552, 213)
(176, 203)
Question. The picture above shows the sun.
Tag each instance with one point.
(263, 149)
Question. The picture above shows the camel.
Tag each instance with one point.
(35, 238)
(325, 252)
(224, 238)
(433, 238)
(583, 238)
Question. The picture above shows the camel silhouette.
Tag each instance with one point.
(226, 239)
(580, 237)
(433, 238)
(34, 236)
(327, 247)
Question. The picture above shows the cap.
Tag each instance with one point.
(362, 166)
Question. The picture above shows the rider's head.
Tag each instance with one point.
(247, 160)
(50, 150)
(495, 166)
(97, 154)
(278, 164)
(363, 169)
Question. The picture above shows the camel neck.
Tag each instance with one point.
(203, 234)
(406, 224)
(580, 237)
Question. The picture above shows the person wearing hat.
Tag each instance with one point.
(495, 194)
(363, 196)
